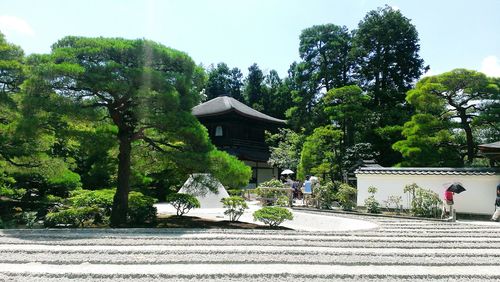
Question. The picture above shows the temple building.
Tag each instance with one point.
(239, 130)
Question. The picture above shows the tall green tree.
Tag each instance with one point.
(460, 94)
(223, 81)
(253, 89)
(144, 88)
(325, 49)
(386, 47)
(285, 148)
(12, 75)
(346, 107)
(320, 154)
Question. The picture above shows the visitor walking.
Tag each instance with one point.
(447, 203)
(496, 214)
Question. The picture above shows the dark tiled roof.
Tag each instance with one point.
(224, 104)
(428, 171)
(491, 146)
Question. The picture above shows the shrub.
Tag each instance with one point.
(71, 217)
(282, 201)
(235, 192)
(393, 203)
(98, 204)
(371, 204)
(271, 190)
(140, 208)
(30, 219)
(273, 216)
(324, 195)
(183, 203)
(346, 196)
(235, 206)
(425, 203)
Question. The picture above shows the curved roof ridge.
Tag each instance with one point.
(224, 104)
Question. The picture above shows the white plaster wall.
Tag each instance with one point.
(478, 199)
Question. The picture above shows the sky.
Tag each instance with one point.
(453, 34)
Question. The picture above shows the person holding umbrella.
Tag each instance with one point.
(448, 197)
(496, 214)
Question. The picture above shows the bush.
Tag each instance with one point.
(71, 217)
(282, 201)
(273, 216)
(235, 206)
(141, 209)
(183, 203)
(30, 219)
(271, 191)
(324, 195)
(371, 204)
(346, 196)
(424, 203)
(98, 204)
(393, 203)
(235, 192)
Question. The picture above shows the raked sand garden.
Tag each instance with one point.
(356, 248)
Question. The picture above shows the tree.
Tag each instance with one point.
(11, 76)
(144, 88)
(285, 147)
(459, 94)
(386, 47)
(223, 81)
(320, 154)
(324, 50)
(346, 107)
(253, 90)
(429, 143)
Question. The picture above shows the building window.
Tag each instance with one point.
(218, 130)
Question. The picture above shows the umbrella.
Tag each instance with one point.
(456, 188)
(287, 171)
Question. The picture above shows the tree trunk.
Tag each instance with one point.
(468, 134)
(120, 200)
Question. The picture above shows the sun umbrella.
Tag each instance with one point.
(287, 171)
(456, 188)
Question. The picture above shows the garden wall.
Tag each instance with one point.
(480, 184)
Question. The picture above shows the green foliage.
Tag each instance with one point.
(424, 203)
(283, 201)
(273, 216)
(236, 192)
(230, 171)
(183, 203)
(459, 94)
(371, 204)
(429, 143)
(285, 147)
(223, 81)
(254, 86)
(324, 195)
(273, 183)
(346, 195)
(272, 190)
(141, 209)
(71, 217)
(30, 218)
(320, 154)
(393, 203)
(235, 206)
(94, 207)
(346, 106)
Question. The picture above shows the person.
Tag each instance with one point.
(496, 214)
(306, 189)
(448, 202)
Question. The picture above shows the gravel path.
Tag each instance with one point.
(397, 250)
